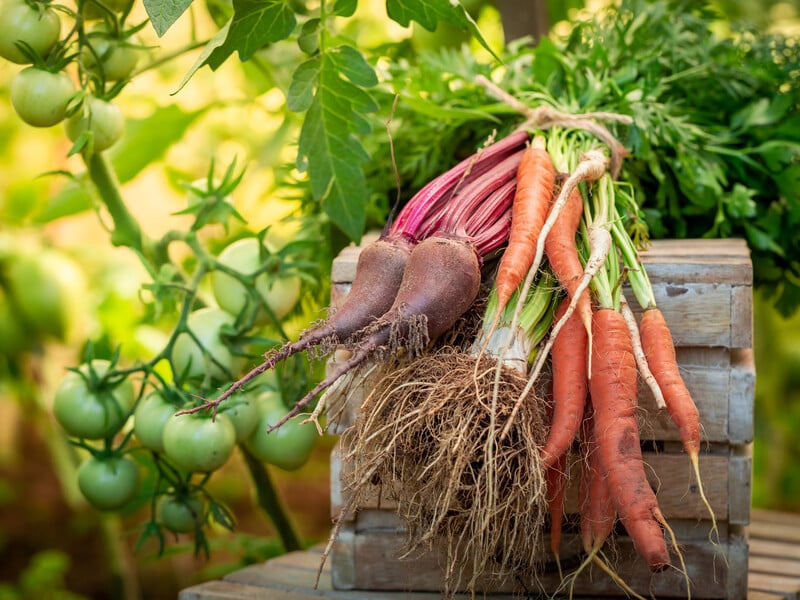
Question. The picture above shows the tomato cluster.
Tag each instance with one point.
(123, 416)
(71, 79)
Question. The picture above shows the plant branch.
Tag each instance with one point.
(269, 501)
(126, 231)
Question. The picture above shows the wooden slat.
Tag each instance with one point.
(379, 568)
(775, 531)
(788, 586)
(670, 474)
(767, 548)
(741, 397)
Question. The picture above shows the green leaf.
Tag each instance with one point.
(146, 140)
(328, 146)
(308, 40)
(301, 88)
(255, 23)
(72, 199)
(164, 13)
(344, 8)
(429, 13)
(214, 43)
(446, 113)
(352, 65)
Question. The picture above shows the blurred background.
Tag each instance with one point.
(50, 538)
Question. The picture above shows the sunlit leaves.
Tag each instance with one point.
(330, 87)
(164, 13)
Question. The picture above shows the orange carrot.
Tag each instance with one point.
(660, 353)
(535, 182)
(562, 252)
(570, 385)
(613, 387)
(556, 480)
(596, 509)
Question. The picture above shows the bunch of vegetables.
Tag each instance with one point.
(682, 156)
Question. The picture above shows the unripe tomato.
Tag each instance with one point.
(104, 120)
(181, 513)
(189, 359)
(243, 413)
(198, 444)
(92, 413)
(38, 27)
(279, 293)
(289, 446)
(114, 58)
(108, 483)
(40, 97)
(149, 419)
(48, 288)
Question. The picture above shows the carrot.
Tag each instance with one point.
(660, 353)
(535, 182)
(556, 481)
(613, 387)
(596, 509)
(570, 386)
(562, 253)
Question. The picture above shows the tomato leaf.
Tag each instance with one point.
(255, 23)
(328, 146)
(148, 139)
(429, 13)
(164, 13)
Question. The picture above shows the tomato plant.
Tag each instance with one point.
(40, 97)
(90, 405)
(36, 26)
(108, 483)
(100, 121)
(289, 446)
(181, 512)
(278, 291)
(199, 444)
(149, 419)
(204, 351)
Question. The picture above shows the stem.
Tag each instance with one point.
(126, 230)
(269, 501)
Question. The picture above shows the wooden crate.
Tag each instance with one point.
(704, 288)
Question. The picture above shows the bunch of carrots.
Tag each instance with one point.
(556, 305)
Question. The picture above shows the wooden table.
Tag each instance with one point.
(774, 571)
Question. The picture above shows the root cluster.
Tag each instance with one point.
(430, 430)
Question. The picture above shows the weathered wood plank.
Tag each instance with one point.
(379, 568)
(670, 474)
(228, 590)
(770, 548)
(788, 586)
(741, 398)
(776, 531)
(740, 478)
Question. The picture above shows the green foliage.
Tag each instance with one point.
(42, 578)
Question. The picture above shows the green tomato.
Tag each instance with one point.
(47, 287)
(188, 356)
(181, 513)
(92, 414)
(108, 483)
(279, 293)
(149, 419)
(41, 97)
(289, 446)
(113, 58)
(243, 413)
(39, 27)
(103, 120)
(14, 339)
(198, 444)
